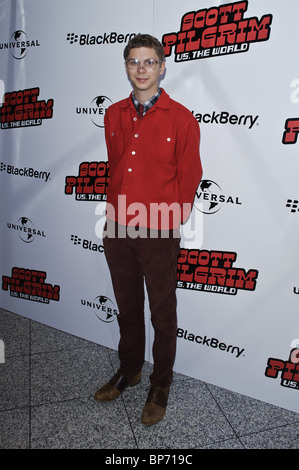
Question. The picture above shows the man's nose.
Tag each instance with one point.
(141, 66)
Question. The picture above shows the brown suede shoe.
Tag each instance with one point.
(155, 406)
(116, 386)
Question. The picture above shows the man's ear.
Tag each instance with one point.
(162, 68)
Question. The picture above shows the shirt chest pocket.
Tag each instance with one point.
(164, 148)
(116, 144)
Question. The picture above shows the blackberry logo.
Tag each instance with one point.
(29, 172)
(87, 244)
(76, 240)
(293, 204)
(72, 37)
(210, 342)
(104, 38)
(226, 118)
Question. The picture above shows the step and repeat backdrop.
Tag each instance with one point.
(235, 66)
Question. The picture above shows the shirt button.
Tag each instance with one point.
(136, 135)
(168, 139)
(135, 119)
(129, 170)
(133, 153)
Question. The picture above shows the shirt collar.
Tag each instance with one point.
(149, 103)
(163, 102)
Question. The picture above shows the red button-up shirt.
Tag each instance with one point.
(154, 163)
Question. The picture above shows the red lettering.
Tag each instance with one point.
(168, 41)
(239, 9)
(187, 21)
(70, 184)
(291, 131)
(259, 31)
(216, 27)
(246, 280)
(291, 372)
(226, 34)
(273, 367)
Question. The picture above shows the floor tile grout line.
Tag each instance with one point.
(130, 423)
(81, 398)
(224, 415)
(31, 406)
(240, 436)
(123, 401)
(221, 441)
(52, 351)
(272, 428)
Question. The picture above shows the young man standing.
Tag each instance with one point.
(153, 153)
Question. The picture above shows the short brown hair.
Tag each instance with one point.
(145, 40)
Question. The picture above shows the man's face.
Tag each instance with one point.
(145, 81)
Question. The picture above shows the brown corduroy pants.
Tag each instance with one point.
(133, 262)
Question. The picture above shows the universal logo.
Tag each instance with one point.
(19, 44)
(211, 197)
(103, 307)
(96, 110)
(87, 244)
(26, 230)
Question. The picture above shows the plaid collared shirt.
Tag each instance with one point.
(149, 103)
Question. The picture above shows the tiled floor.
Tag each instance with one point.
(46, 402)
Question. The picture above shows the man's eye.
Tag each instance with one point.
(150, 61)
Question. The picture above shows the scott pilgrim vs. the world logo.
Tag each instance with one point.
(213, 271)
(216, 31)
(22, 108)
(29, 284)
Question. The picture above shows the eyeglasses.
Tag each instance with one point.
(148, 64)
